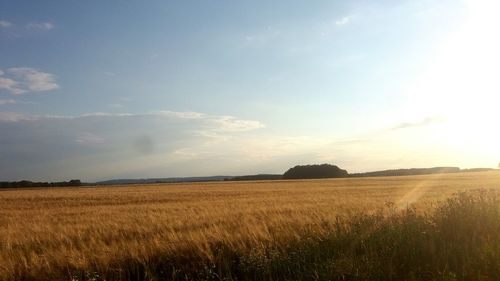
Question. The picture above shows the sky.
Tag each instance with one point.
(95, 90)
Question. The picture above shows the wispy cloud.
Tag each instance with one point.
(40, 25)
(9, 85)
(265, 36)
(4, 24)
(88, 143)
(212, 122)
(224, 123)
(20, 80)
(229, 123)
(182, 114)
(88, 138)
(424, 122)
(13, 117)
(116, 105)
(4, 102)
(343, 21)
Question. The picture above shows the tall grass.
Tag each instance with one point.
(304, 230)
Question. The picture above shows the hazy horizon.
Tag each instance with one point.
(101, 90)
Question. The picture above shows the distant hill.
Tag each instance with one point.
(408, 172)
(163, 180)
(256, 177)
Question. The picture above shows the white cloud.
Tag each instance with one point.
(40, 25)
(4, 24)
(343, 21)
(20, 80)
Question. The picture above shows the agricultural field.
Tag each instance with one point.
(383, 228)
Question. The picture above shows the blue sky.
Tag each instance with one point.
(106, 89)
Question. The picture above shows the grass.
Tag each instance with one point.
(397, 228)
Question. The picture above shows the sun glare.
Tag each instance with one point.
(461, 85)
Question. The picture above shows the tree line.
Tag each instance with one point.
(25, 183)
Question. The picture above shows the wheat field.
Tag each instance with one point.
(69, 233)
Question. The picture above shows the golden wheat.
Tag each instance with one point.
(54, 231)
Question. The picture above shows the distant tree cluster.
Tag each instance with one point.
(315, 172)
(25, 183)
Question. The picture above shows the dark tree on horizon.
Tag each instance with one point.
(315, 172)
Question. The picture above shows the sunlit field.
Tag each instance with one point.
(251, 230)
